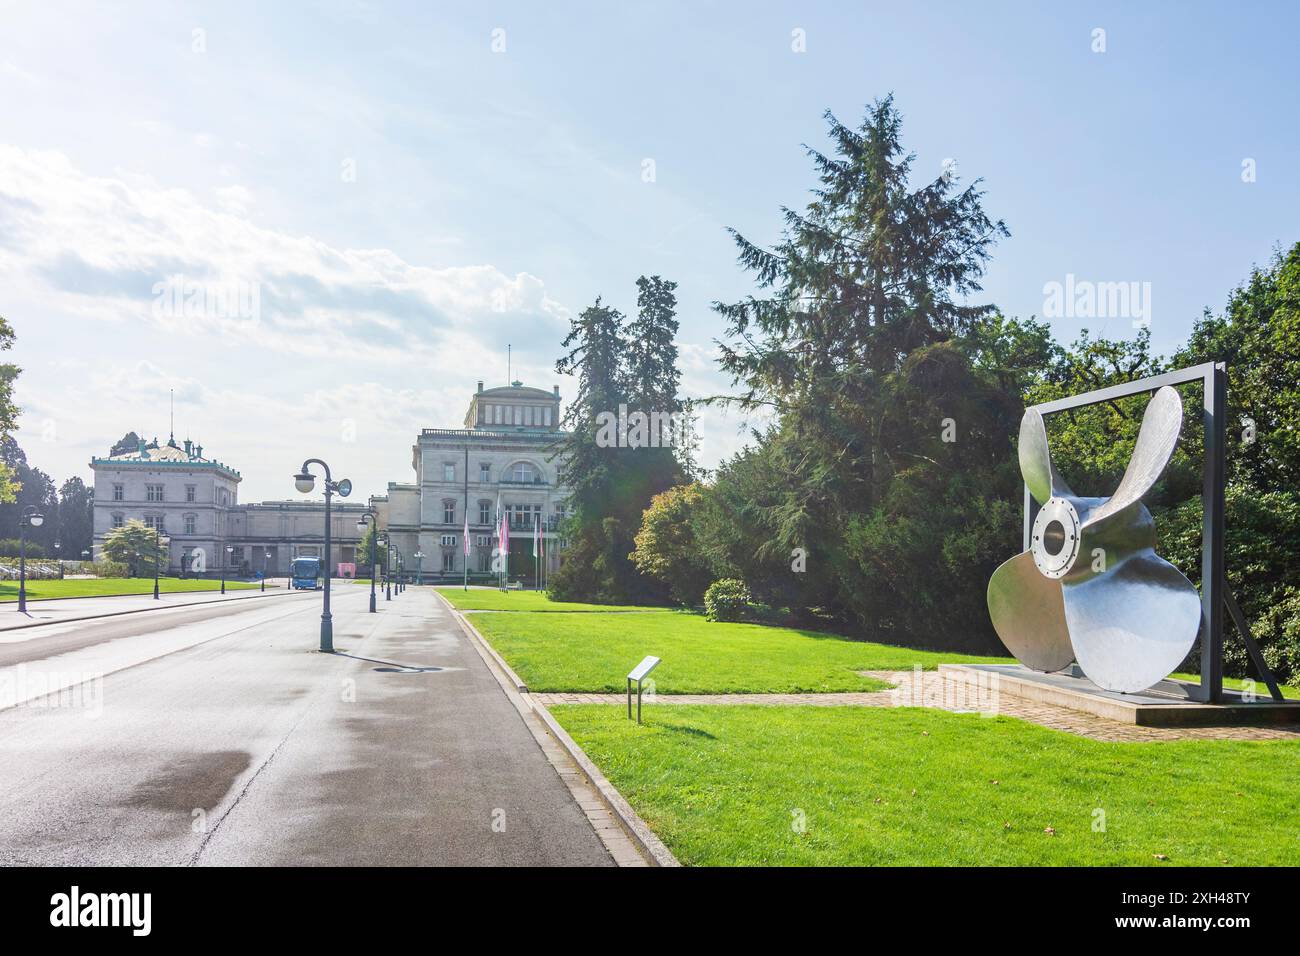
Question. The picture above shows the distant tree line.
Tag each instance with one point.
(68, 509)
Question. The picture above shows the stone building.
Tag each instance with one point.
(195, 501)
(504, 455)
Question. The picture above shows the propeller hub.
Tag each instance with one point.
(1055, 539)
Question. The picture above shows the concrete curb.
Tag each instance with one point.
(650, 846)
(137, 610)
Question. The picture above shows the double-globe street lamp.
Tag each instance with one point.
(419, 568)
(305, 481)
(160, 541)
(230, 551)
(368, 517)
(30, 518)
(266, 567)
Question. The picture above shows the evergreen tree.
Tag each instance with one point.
(76, 517)
(863, 345)
(596, 345)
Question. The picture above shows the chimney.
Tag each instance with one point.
(480, 385)
(557, 391)
(189, 448)
(198, 451)
(140, 447)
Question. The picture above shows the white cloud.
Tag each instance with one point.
(100, 247)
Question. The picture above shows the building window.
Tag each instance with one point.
(449, 541)
(485, 561)
(448, 471)
(449, 512)
(484, 472)
(237, 556)
(483, 540)
(522, 471)
(153, 492)
(496, 412)
(546, 416)
(191, 524)
(155, 522)
(119, 520)
(528, 414)
(118, 493)
(519, 415)
(449, 560)
(485, 512)
(190, 493)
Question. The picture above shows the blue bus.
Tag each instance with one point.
(304, 574)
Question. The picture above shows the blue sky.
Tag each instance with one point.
(409, 199)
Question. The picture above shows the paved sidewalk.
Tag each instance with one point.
(930, 692)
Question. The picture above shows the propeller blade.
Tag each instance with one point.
(1041, 477)
(1132, 624)
(1161, 423)
(1029, 615)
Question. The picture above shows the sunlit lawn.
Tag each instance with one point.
(874, 786)
(98, 587)
(492, 599)
(593, 652)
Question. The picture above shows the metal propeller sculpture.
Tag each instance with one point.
(1091, 588)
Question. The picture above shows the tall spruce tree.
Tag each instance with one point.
(863, 286)
(597, 347)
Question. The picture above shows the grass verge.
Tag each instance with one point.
(100, 587)
(592, 653)
(746, 785)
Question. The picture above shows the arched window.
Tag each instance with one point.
(521, 471)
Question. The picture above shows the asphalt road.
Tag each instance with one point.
(220, 736)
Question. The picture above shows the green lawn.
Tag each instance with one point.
(728, 785)
(485, 599)
(95, 587)
(593, 653)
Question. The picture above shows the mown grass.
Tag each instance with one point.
(99, 587)
(746, 785)
(485, 599)
(592, 653)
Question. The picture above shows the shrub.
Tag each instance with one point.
(726, 600)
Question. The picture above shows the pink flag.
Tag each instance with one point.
(467, 532)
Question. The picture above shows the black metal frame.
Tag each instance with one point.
(1213, 377)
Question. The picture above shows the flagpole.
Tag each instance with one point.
(464, 578)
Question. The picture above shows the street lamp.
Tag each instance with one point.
(57, 546)
(368, 517)
(305, 481)
(160, 541)
(401, 581)
(419, 569)
(230, 550)
(266, 566)
(34, 519)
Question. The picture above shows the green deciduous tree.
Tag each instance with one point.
(666, 549)
(137, 546)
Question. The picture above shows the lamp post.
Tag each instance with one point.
(388, 564)
(368, 517)
(160, 541)
(419, 568)
(31, 518)
(305, 481)
(266, 567)
(230, 550)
